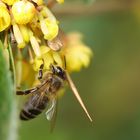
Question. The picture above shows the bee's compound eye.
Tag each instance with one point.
(60, 72)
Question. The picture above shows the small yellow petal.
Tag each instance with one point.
(35, 46)
(48, 59)
(57, 58)
(37, 63)
(44, 50)
(25, 33)
(49, 29)
(18, 36)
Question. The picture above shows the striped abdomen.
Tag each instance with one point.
(35, 105)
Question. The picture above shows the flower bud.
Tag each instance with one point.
(23, 12)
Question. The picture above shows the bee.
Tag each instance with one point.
(46, 93)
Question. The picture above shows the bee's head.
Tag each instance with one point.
(58, 71)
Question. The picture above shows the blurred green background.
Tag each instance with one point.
(110, 87)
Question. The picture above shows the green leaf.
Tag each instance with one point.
(7, 100)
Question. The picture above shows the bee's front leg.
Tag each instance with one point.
(40, 73)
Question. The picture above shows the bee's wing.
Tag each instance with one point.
(51, 110)
(51, 113)
(39, 96)
(53, 119)
(74, 89)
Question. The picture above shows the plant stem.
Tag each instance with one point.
(13, 126)
(8, 104)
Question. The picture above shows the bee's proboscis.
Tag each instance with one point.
(75, 92)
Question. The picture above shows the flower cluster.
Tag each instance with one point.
(35, 28)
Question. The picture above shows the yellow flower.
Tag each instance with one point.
(23, 12)
(47, 57)
(77, 54)
(10, 2)
(5, 20)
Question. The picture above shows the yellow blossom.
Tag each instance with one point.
(77, 54)
(47, 57)
(77, 57)
(23, 12)
(5, 20)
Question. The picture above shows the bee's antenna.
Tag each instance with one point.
(40, 73)
(52, 68)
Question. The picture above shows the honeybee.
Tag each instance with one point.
(46, 93)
